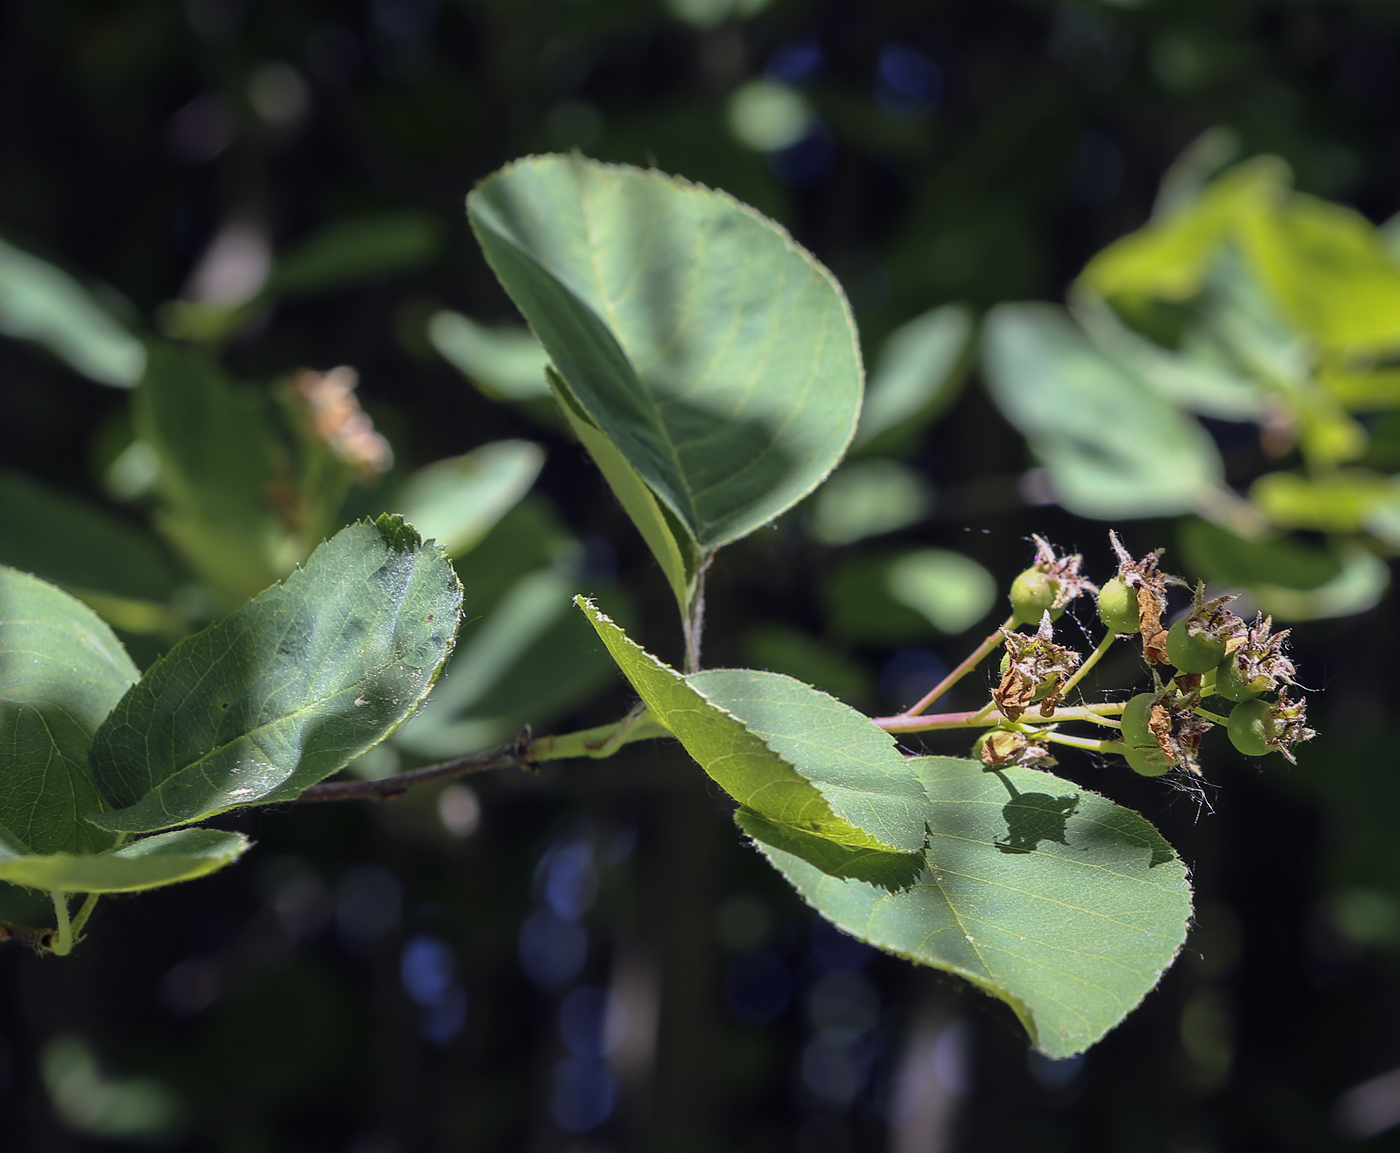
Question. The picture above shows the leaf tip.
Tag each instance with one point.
(398, 534)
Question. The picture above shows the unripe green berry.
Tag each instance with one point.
(1233, 687)
(1251, 727)
(1193, 652)
(1118, 607)
(1140, 748)
(1032, 594)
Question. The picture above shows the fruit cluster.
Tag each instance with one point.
(1214, 654)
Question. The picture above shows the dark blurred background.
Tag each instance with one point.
(589, 958)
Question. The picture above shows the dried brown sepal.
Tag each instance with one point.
(1033, 662)
(1147, 580)
(1188, 682)
(1213, 619)
(1063, 571)
(1154, 636)
(1177, 729)
(1259, 653)
(1002, 747)
(1159, 724)
(1014, 694)
(1290, 724)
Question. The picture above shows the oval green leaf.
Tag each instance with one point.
(1114, 447)
(215, 467)
(717, 355)
(61, 673)
(1062, 904)
(354, 250)
(42, 303)
(531, 659)
(798, 756)
(457, 501)
(917, 375)
(287, 690)
(505, 362)
(77, 544)
(149, 863)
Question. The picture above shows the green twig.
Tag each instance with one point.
(1082, 742)
(63, 943)
(970, 662)
(638, 725)
(523, 753)
(985, 718)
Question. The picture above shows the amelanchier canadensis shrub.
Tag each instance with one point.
(711, 369)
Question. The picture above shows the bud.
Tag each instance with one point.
(1230, 682)
(1257, 664)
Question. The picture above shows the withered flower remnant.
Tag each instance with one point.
(1034, 663)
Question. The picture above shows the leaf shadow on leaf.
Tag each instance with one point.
(1034, 817)
(893, 872)
(1124, 829)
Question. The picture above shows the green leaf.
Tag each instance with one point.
(214, 472)
(953, 591)
(1198, 374)
(42, 303)
(1287, 578)
(61, 673)
(917, 374)
(1114, 447)
(286, 691)
(1341, 501)
(1046, 896)
(457, 501)
(798, 756)
(1170, 257)
(861, 605)
(71, 542)
(715, 354)
(354, 250)
(149, 863)
(865, 498)
(505, 361)
(670, 544)
(1326, 267)
(1363, 390)
(1218, 555)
